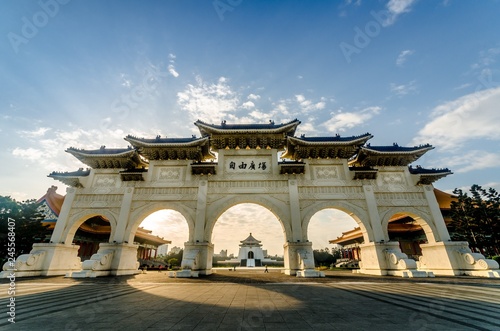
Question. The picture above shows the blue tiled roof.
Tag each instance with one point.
(164, 140)
(100, 151)
(396, 148)
(266, 126)
(334, 138)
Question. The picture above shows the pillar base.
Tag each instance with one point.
(299, 260)
(45, 260)
(454, 258)
(386, 259)
(111, 259)
(197, 259)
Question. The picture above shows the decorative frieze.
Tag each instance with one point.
(326, 172)
(400, 199)
(236, 186)
(105, 180)
(166, 174)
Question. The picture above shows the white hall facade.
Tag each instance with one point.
(265, 164)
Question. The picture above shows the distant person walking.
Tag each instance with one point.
(266, 269)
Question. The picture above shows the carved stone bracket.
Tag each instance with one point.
(98, 265)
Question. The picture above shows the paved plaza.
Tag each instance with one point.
(245, 300)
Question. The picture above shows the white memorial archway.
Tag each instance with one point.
(370, 183)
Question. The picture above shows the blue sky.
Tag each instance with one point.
(87, 73)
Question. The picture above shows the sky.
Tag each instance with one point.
(87, 73)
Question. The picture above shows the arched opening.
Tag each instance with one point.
(248, 235)
(408, 230)
(90, 234)
(161, 237)
(344, 251)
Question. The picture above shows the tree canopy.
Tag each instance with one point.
(25, 226)
(476, 219)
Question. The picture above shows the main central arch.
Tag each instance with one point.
(293, 177)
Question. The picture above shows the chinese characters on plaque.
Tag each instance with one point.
(248, 165)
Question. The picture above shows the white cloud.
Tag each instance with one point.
(403, 89)
(468, 162)
(210, 102)
(403, 56)
(171, 70)
(472, 116)
(30, 154)
(40, 132)
(397, 8)
(171, 67)
(248, 105)
(48, 153)
(254, 97)
(341, 121)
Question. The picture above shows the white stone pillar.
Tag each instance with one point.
(375, 222)
(123, 219)
(442, 232)
(196, 260)
(63, 219)
(298, 257)
(201, 211)
(295, 210)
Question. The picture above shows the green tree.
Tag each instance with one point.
(27, 228)
(174, 262)
(174, 256)
(476, 219)
(323, 257)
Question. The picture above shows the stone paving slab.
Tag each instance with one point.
(251, 300)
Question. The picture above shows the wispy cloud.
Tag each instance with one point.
(209, 101)
(403, 57)
(468, 162)
(397, 8)
(47, 151)
(403, 89)
(40, 132)
(472, 116)
(486, 58)
(171, 66)
(341, 121)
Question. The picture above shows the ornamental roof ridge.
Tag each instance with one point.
(420, 170)
(333, 139)
(78, 173)
(165, 141)
(101, 151)
(395, 148)
(224, 127)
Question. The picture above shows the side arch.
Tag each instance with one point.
(278, 208)
(138, 215)
(81, 216)
(354, 211)
(420, 217)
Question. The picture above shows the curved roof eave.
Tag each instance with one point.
(247, 128)
(136, 142)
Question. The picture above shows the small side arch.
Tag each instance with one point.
(276, 207)
(420, 218)
(138, 215)
(355, 212)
